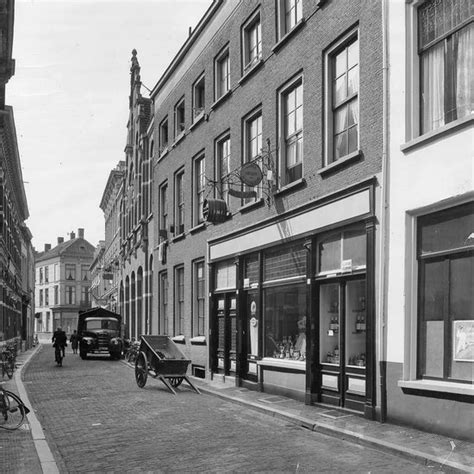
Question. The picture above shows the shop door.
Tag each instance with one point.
(251, 336)
(342, 348)
(226, 328)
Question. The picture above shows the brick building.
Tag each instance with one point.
(62, 284)
(269, 120)
(136, 225)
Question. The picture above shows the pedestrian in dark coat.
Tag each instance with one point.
(74, 340)
(60, 340)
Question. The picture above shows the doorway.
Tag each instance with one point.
(225, 333)
(342, 342)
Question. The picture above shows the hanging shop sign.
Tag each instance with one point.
(214, 210)
(242, 194)
(251, 174)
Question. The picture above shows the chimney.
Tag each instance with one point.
(60, 240)
(47, 247)
(80, 233)
(73, 235)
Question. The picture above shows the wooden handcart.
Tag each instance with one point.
(161, 358)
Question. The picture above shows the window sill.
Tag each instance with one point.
(284, 39)
(354, 156)
(198, 341)
(249, 207)
(251, 71)
(178, 237)
(163, 154)
(197, 120)
(283, 363)
(221, 99)
(197, 228)
(436, 134)
(438, 386)
(179, 138)
(179, 339)
(293, 186)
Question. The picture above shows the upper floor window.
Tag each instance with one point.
(70, 295)
(179, 203)
(199, 97)
(290, 13)
(46, 297)
(56, 294)
(199, 184)
(445, 38)
(252, 41)
(163, 295)
(163, 136)
(41, 276)
(41, 297)
(223, 167)
(291, 103)
(46, 274)
(222, 74)
(70, 271)
(85, 272)
(253, 148)
(84, 295)
(179, 118)
(179, 300)
(163, 211)
(342, 111)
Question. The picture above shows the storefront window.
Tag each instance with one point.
(329, 343)
(285, 322)
(225, 275)
(285, 262)
(344, 251)
(251, 270)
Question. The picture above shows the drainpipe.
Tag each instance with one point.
(384, 224)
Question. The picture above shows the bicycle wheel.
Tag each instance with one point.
(12, 413)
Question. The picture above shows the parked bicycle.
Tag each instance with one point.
(132, 352)
(8, 358)
(12, 410)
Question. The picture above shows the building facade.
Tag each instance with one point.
(16, 251)
(136, 224)
(62, 284)
(428, 344)
(267, 180)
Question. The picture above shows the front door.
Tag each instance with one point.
(251, 336)
(226, 333)
(342, 345)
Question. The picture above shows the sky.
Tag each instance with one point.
(70, 98)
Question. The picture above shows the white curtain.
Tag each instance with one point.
(433, 88)
(464, 83)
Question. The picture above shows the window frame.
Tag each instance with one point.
(199, 319)
(179, 300)
(179, 109)
(223, 58)
(179, 203)
(199, 93)
(250, 60)
(247, 157)
(330, 54)
(284, 140)
(199, 188)
(222, 184)
(163, 220)
(70, 266)
(164, 303)
(283, 29)
(70, 294)
(162, 146)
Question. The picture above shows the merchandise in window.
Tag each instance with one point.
(285, 322)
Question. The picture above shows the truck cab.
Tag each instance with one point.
(99, 332)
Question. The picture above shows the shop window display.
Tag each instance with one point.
(285, 322)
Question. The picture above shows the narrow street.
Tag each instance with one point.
(97, 420)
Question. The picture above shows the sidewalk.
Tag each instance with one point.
(27, 451)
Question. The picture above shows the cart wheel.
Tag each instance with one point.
(175, 381)
(141, 369)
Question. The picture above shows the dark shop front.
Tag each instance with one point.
(292, 299)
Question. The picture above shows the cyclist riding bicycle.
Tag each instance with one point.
(59, 344)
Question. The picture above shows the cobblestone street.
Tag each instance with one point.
(97, 420)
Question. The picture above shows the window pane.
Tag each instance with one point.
(461, 284)
(353, 81)
(352, 112)
(355, 323)
(464, 100)
(340, 92)
(433, 303)
(354, 247)
(283, 263)
(330, 254)
(449, 229)
(434, 352)
(353, 140)
(340, 147)
(340, 119)
(285, 322)
(329, 324)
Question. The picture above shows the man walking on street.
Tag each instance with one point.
(60, 340)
